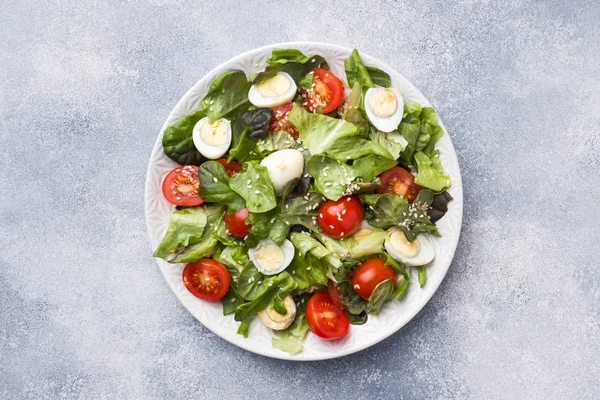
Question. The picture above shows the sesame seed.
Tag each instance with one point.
(215, 180)
(257, 192)
(233, 300)
(342, 234)
(177, 198)
(331, 227)
(344, 211)
(320, 215)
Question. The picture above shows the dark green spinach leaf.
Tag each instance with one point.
(214, 186)
(227, 93)
(177, 140)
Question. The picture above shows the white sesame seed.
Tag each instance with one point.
(331, 227)
(344, 211)
(215, 180)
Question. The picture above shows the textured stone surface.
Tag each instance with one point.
(84, 89)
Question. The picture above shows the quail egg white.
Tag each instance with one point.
(273, 92)
(270, 258)
(416, 253)
(276, 321)
(284, 166)
(212, 139)
(384, 108)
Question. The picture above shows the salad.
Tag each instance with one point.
(303, 199)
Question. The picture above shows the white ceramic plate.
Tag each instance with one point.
(395, 314)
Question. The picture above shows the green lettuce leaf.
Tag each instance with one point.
(177, 140)
(383, 292)
(208, 241)
(357, 72)
(352, 111)
(214, 186)
(227, 93)
(254, 186)
(294, 62)
(393, 141)
(331, 136)
(277, 140)
(431, 173)
(250, 282)
(290, 340)
(281, 284)
(422, 275)
(334, 179)
(185, 228)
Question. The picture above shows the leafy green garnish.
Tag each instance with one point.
(357, 72)
(244, 327)
(422, 275)
(248, 128)
(383, 292)
(178, 143)
(331, 136)
(185, 228)
(214, 186)
(431, 172)
(255, 187)
(379, 77)
(250, 282)
(290, 339)
(388, 210)
(334, 178)
(281, 284)
(227, 93)
(208, 241)
(293, 62)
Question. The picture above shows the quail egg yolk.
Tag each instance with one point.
(275, 86)
(383, 103)
(269, 256)
(214, 133)
(404, 247)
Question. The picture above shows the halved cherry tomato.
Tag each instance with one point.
(230, 166)
(341, 218)
(327, 92)
(206, 279)
(369, 274)
(335, 294)
(279, 121)
(324, 318)
(236, 223)
(399, 181)
(180, 186)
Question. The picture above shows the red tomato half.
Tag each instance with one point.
(327, 92)
(369, 274)
(335, 294)
(324, 318)
(231, 167)
(399, 181)
(280, 122)
(341, 218)
(236, 223)
(206, 279)
(180, 186)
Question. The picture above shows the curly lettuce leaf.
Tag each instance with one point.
(334, 179)
(431, 172)
(177, 140)
(255, 187)
(290, 339)
(185, 228)
(334, 137)
(208, 241)
(227, 93)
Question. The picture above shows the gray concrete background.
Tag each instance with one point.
(84, 90)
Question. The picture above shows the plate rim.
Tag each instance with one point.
(458, 201)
